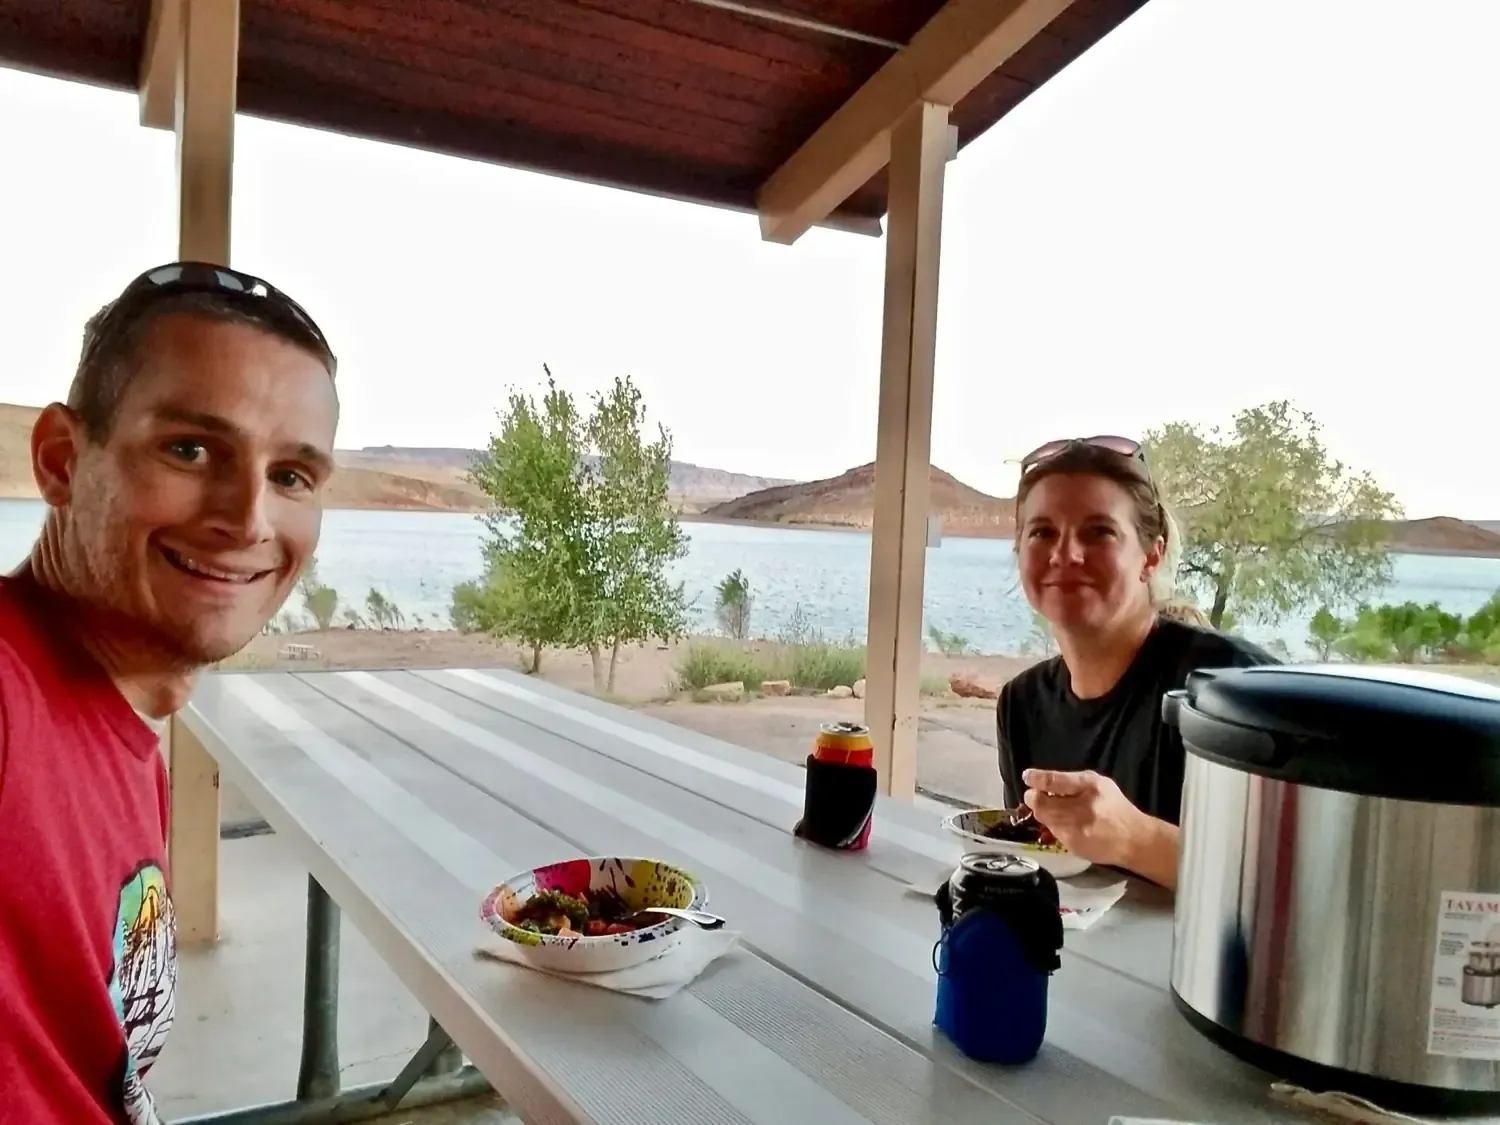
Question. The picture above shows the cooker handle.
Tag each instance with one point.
(1171, 706)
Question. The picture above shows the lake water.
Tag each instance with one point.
(416, 558)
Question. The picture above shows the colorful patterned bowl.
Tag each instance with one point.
(970, 826)
(640, 882)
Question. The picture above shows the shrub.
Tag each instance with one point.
(813, 665)
(383, 613)
(934, 685)
(320, 601)
(1480, 638)
(1408, 633)
(704, 663)
(949, 644)
(733, 606)
(822, 666)
(322, 604)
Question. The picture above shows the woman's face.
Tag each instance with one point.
(1082, 564)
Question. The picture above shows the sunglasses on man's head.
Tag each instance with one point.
(202, 277)
(1124, 446)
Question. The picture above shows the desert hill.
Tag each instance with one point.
(357, 484)
(849, 501)
(693, 487)
(388, 476)
(1442, 535)
(433, 479)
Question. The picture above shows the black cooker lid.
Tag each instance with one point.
(1383, 732)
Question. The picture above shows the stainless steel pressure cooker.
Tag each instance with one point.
(1338, 899)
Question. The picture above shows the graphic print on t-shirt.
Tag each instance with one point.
(144, 987)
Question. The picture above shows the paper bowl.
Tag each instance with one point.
(970, 825)
(640, 882)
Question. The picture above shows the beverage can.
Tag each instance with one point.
(846, 744)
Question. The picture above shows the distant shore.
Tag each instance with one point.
(782, 525)
(981, 533)
(646, 672)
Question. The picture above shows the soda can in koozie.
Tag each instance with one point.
(838, 805)
(848, 744)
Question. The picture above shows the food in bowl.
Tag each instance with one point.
(1012, 832)
(590, 913)
(571, 916)
(1020, 826)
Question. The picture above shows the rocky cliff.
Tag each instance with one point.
(848, 500)
(1442, 535)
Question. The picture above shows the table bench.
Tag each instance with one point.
(409, 794)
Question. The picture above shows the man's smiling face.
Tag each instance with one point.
(195, 513)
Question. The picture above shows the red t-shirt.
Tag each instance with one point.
(88, 966)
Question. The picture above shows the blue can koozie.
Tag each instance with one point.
(1002, 930)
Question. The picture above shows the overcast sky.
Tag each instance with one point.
(1221, 204)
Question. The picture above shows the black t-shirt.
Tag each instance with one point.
(1043, 725)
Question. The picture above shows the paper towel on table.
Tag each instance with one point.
(655, 979)
(1345, 1107)
(1082, 906)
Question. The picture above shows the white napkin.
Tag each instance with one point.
(1082, 906)
(1346, 1107)
(655, 980)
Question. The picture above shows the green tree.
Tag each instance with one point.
(733, 604)
(320, 601)
(1271, 522)
(634, 533)
(1365, 638)
(383, 612)
(582, 530)
(1040, 642)
(1324, 632)
(1481, 632)
(538, 553)
(514, 600)
(949, 644)
(1417, 632)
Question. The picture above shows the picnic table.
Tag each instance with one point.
(409, 794)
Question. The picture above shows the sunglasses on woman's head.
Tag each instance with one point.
(1124, 446)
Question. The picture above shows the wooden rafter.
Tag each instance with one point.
(953, 52)
(159, 60)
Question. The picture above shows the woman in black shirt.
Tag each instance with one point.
(1082, 740)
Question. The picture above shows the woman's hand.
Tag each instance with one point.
(1091, 817)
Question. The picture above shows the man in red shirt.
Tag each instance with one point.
(183, 480)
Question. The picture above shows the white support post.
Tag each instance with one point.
(920, 149)
(207, 78)
(204, 85)
(193, 836)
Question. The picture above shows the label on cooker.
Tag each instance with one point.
(1465, 1017)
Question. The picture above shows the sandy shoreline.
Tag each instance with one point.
(646, 673)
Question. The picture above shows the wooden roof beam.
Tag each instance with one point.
(956, 50)
(159, 62)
